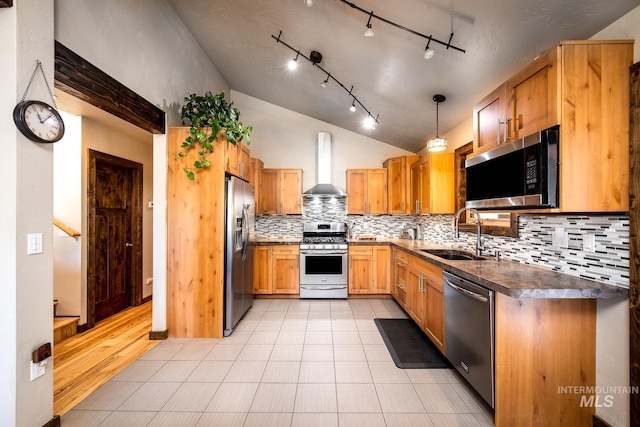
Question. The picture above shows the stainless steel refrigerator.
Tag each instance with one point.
(239, 245)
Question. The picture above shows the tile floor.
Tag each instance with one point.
(288, 363)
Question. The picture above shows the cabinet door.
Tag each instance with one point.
(401, 282)
(534, 100)
(291, 191)
(286, 270)
(424, 192)
(377, 191)
(382, 269)
(360, 270)
(416, 296)
(441, 188)
(269, 191)
(491, 126)
(396, 185)
(356, 191)
(262, 270)
(232, 154)
(434, 314)
(416, 188)
(244, 156)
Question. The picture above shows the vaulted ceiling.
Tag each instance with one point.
(388, 72)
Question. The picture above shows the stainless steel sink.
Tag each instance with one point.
(454, 255)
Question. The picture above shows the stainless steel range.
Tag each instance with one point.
(323, 260)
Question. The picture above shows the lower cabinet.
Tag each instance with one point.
(369, 271)
(276, 270)
(417, 286)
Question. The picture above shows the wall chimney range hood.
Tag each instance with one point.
(324, 160)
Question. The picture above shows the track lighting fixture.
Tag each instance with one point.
(428, 52)
(315, 58)
(369, 31)
(293, 64)
(308, 3)
(437, 144)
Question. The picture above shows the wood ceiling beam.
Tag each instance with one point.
(83, 80)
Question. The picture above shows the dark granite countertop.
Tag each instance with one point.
(511, 278)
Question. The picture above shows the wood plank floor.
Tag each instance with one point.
(85, 361)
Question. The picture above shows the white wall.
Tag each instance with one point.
(282, 138)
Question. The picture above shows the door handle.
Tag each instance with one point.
(128, 245)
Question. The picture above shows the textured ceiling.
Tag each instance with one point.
(388, 73)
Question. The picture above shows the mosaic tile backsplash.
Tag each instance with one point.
(609, 263)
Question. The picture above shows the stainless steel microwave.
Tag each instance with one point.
(520, 174)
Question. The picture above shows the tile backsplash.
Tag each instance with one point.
(609, 263)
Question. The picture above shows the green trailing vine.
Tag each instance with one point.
(208, 115)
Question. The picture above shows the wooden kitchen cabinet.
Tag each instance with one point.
(255, 166)
(433, 292)
(237, 159)
(583, 86)
(280, 191)
(432, 184)
(399, 184)
(400, 277)
(286, 269)
(367, 191)
(262, 270)
(369, 269)
(415, 295)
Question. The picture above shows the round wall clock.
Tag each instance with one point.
(38, 121)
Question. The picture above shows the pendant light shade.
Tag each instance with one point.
(438, 143)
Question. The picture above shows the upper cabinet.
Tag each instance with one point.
(399, 184)
(584, 87)
(432, 184)
(280, 191)
(367, 191)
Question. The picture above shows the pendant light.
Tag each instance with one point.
(437, 144)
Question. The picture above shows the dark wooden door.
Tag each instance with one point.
(114, 252)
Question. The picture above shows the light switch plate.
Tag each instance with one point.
(560, 238)
(37, 370)
(589, 242)
(34, 243)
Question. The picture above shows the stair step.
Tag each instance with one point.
(64, 327)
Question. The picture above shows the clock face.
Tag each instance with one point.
(38, 121)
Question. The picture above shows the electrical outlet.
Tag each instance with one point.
(589, 242)
(560, 238)
(37, 370)
(34, 243)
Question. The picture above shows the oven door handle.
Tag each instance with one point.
(322, 252)
(323, 288)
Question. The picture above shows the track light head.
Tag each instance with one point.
(293, 64)
(308, 3)
(353, 107)
(369, 32)
(428, 53)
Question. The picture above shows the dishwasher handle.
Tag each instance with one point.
(467, 292)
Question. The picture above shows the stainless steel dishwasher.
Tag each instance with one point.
(468, 321)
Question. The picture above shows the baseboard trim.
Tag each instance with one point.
(82, 328)
(54, 422)
(158, 335)
(146, 299)
(599, 422)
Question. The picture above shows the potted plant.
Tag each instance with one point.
(208, 115)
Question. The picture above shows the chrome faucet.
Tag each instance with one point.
(456, 231)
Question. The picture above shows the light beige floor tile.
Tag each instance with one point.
(319, 306)
(165, 350)
(357, 398)
(294, 325)
(287, 352)
(346, 337)
(318, 337)
(388, 372)
(272, 420)
(281, 372)
(196, 350)
(353, 372)
(299, 306)
(246, 371)
(279, 305)
(342, 315)
(191, 397)
(109, 396)
(140, 370)
(233, 397)
(349, 353)
(408, 420)
(263, 337)
(275, 315)
(318, 324)
(297, 315)
(314, 420)
(290, 337)
(486, 419)
(274, 397)
(269, 325)
(225, 352)
(218, 419)
(75, 418)
(366, 325)
(237, 338)
(316, 398)
(344, 325)
(210, 371)
(256, 352)
(360, 420)
(149, 397)
(129, 419)
(399, 398)
(340, 305)
(364, 315)
(371, 337)
(317, 372)
(431, 376)
(441, 399)
(319, 315)
(174, 371)
(173, 419)
(471, 398)
(454, 420)
(248, 325)
(377, 353)
(317, 353)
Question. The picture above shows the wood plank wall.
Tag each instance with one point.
(634, 249)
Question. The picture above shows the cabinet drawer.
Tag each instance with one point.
(401, 256)
(286, 250)
(360, 250)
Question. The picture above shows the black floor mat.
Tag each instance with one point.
(409, 346)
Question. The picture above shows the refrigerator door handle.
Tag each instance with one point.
(245, 231)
